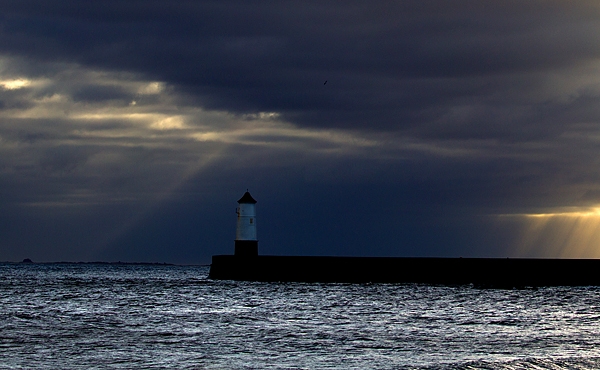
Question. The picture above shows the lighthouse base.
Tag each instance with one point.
(246, 248)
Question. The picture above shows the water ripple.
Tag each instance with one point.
(149, 316)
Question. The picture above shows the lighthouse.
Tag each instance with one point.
(246, 243)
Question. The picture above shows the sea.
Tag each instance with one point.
(126, 316)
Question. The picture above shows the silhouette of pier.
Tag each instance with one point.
(481, 272)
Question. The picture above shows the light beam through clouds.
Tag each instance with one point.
(565, 233)
(101, 138)
(435, 115)
(137, 144)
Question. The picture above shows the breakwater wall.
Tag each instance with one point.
(483, 272)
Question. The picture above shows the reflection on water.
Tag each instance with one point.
(124, 316)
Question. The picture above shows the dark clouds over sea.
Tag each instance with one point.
(129, 129)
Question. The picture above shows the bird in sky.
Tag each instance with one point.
(325, 82)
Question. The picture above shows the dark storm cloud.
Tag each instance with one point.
(95, 94)
(390, 65)
(126, 126)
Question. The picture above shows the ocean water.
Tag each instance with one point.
(84, 316)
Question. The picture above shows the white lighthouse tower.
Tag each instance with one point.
(246, 243)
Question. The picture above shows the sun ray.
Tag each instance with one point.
(563, 233)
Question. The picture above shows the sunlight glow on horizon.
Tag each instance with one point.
(569, 212)
(565, 233)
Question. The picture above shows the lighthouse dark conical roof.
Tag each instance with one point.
(247, 198)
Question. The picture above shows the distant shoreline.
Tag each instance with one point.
(120, 263)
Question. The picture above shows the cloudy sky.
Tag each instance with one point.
(129, 129)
